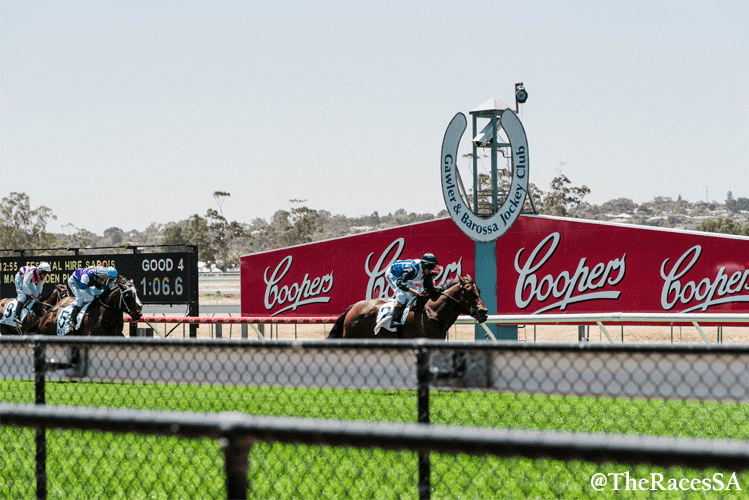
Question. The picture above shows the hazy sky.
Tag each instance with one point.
(131, 112)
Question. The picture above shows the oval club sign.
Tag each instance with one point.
(474, 226)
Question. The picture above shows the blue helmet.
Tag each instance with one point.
(112, 273)
(429, 260)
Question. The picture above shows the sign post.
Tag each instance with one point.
(479, 214)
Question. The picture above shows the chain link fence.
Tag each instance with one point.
(560, 419)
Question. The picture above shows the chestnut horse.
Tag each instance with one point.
(104, 314)
(427, 318)
(31, 321)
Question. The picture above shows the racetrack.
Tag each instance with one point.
(219, 296)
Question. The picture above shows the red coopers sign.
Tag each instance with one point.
(544, 265)
(323, 279)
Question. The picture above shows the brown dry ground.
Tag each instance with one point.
(527, 333)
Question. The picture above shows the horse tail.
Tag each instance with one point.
(337, 331)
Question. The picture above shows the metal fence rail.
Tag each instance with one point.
(567, 400)
(239, 432)
(603, 321)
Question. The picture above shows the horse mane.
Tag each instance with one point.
(451, 283)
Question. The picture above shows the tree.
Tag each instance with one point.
(22, 227)
(78, 237)
(504, 182)
(742, 204)
(217, 239)
(296, 226)
(114, 235)
(725, 225)
(619, 205)
(193, 231)
(563, 198)
(223, 235)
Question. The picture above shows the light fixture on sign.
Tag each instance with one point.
(521, 95)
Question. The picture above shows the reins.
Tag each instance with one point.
(445, 321)
(450, 297)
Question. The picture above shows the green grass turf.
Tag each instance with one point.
(103, 465)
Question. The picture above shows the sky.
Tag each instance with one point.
(122, 114)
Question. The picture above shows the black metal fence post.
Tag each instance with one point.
(40, 367)
(236, 464)
(423, 379)
(193, 307)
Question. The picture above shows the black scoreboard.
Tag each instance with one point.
(159, 277)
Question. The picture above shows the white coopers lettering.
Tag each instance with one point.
(707, 292)
(295, 294)
(567, 287)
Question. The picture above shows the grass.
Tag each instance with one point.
(104, 465)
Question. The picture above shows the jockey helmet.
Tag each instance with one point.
(112, 273)
(101, 272)
(429, 260)
(44, 267)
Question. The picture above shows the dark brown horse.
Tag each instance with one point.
(427, 318)
(31, 321)
(104, 314)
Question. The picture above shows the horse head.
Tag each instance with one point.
(470, 299)
(129, 301)
(56, 295)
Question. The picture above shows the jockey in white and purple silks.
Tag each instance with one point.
(407, 275)
(85, 284)
(29, 284)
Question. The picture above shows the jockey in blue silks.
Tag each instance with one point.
(406, 276)
(29, 284)
(85, 284)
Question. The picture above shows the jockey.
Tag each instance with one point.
(29, 284)
(406, 275)
(85, 284)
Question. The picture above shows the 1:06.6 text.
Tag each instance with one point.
(161, 286)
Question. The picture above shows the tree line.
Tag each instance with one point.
(222, 242)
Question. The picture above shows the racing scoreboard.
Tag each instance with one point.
(162, 274)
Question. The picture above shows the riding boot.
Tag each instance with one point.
(74, 318)
(397, 322)
(20, 316)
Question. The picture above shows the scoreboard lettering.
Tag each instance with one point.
(159, 278)
(162, 277)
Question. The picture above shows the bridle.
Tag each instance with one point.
(123, 304)
(473, 309)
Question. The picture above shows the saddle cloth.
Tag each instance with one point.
(9, 310)
(62, 318)
(385, 316)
